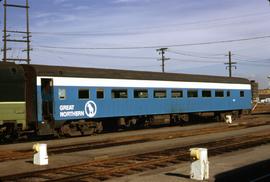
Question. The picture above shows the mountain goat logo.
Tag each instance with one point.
(90, 109)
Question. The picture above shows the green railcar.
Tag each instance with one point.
(12, 100)
(13, 112)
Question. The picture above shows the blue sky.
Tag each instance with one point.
(139, 23)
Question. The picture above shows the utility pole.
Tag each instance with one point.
(5, 33)
(163, 58)
(25, 34)
(231, 64)
(269, 80)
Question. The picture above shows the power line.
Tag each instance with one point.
(121, 57)
(143, 57)
(152, 27)
(253, 59)
(62, 58)
(196, 61)
(255, 62)
(158, 46)
(97, 55)
(197, 53)
(192, 55)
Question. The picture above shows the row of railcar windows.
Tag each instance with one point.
(143, 93)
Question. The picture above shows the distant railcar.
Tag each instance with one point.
(79, 101)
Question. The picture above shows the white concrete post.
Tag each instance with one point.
(199, 164)
(229, 119)
(40, 156)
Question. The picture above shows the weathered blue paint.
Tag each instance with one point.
(109, 107)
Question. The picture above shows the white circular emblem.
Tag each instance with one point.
(90, 109)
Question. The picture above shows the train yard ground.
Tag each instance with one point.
(239, 151)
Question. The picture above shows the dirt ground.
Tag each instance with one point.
(180, 172)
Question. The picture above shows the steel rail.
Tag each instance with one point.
(122, 166)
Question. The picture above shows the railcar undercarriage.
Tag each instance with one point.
(83, 127)
(11, 130)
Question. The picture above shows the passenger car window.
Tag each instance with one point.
(242, 93)
(219, 93)
(100, 94)
(206, 93)
(83, 94)
(140, 93)
(62, 94)
(228, 93)
(119, 93)
(160, 94)
(192, 93)
(177, 93)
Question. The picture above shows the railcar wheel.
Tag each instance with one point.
(148, 121)
(218, 117)
(184, 118)
(174, 120)
(86, 128)
(133, 123)
(9, 132)
(130, 123)
(140, 122)
(235, 115)
(121, 123)
(99, 127)
(70, 130)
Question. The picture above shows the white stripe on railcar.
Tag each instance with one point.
(103, 82)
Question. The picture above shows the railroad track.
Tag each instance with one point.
(101, 170)
(6, 155)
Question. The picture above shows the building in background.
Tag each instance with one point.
(269, 81)
(264, 95)
(254, 90)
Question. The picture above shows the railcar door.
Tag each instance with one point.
(47, 100)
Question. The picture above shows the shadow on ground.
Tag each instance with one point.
(257, 172)
(178, 175)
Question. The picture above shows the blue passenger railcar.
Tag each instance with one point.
(64, 98)
(97, 94)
